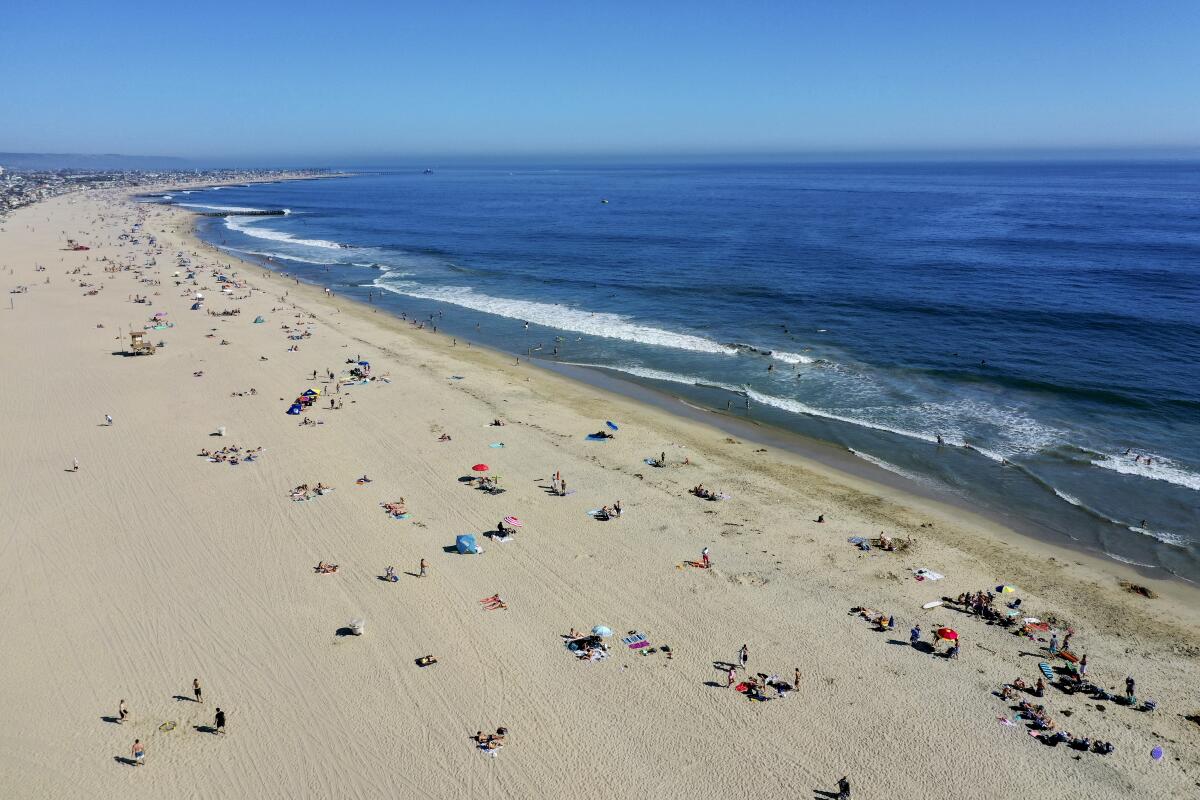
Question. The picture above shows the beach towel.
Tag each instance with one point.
(1045, 668)
(496, 445)
(637, 645)
(633, 639)
(923, 574)
(591, 437)
(401, 516)
(456, 377)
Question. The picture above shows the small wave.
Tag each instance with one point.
(888, 466)
(595, 323)
(167, 196)
(1075, 501)
(244, 225)
(284, 256)
(792, 358)
(659, 375)
(1159, 469)
(1129, 561)
(220, 208)
(789, 358)
(1166, 537)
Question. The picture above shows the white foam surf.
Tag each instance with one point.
(284, 256)
(1159, 469)
(219, 208)
(245, 225)
(890, 467)
(1166, 537)
(563, 317)
(792, 358)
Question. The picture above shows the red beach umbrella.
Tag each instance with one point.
(480, 467)
(947, 633)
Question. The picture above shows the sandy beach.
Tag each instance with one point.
(152, 565)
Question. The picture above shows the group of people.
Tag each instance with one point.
(492, 742)
(609, 512)
(489, 484)
(305, 492)
(708, 494)
(396, 509)
(138, 749)
(231, 454)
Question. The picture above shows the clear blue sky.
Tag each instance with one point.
(357, 80)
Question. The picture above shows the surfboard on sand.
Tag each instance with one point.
(933, 604)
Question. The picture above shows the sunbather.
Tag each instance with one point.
(326, 569)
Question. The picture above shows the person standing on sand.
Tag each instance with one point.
(731, 677)
(139, 753)
(423, 567)
(1053, 643)
(843, 788)
(744, 656)
(75, 465)
(914, 635)
(108, 420)
(122, 712)
(704, 557)
(196, 690)
(219, 722)
(796, 680)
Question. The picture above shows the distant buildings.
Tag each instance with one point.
(21, 188)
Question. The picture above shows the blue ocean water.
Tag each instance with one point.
(1042, 319)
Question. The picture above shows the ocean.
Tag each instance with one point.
(1042, 319)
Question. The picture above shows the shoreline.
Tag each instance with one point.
(830, 455)
(869, 479)
(179, 567)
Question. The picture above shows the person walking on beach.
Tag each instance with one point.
(744, 656)
(914, 635)
(122, 712)
(1129, 687)
(139, 753)
(219, 721)
(1053, 643)
(423, 567)
(704, 558)
(108, 420)
(731, 677)
(196, 690)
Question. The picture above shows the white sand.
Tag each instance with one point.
(152, 566)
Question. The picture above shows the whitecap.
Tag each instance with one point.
(563, 317)
(791, 358)
(219, 208)
(890, 467)
(1160, 469)
(244, 225)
